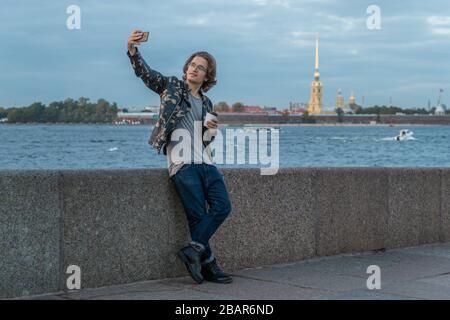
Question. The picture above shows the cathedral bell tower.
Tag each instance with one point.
(315, 102)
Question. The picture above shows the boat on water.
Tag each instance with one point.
(255, 129)
(404, 134)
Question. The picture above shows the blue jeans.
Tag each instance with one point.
(196, 185)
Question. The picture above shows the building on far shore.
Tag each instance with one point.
(148, 114)
(340, 103)
(352, 102)
(253, 109)
(315, 106)
(270, 110)
(297, 107)
(440, 110)
(339, 100)
(315, 102)
(152, 109)
(135, 117)
(440, 107)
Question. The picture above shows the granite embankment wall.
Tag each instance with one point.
(126, 225)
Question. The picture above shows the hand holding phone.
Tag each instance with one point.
(144, 37)
(136, 38)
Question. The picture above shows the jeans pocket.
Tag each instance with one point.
(184, 167)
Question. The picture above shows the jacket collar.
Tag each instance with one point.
(186, 96)
(187, 90)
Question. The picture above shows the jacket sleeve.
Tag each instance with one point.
(210, 137)
(152, 79)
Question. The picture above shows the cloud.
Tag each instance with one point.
(283, 3)
(430, 86)
(439, 24)
(259, 44)
(232, 20)
(296, 33)
(440, 30)
(301, 43)
(340, 23)
(434, 20)
(198, 21)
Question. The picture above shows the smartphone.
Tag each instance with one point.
(144, 37)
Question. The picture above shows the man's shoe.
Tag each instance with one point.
(190, 255)
(212, 272)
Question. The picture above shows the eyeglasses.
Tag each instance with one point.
(195, 67)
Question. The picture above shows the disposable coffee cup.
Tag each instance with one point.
(210, 116)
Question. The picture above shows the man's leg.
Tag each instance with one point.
(219, 209)
(192, 183)
(190, 188)
(219, 203)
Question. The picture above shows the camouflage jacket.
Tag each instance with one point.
(174, 94)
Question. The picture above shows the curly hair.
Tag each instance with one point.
(210, 73)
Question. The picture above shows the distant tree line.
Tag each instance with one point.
(222, 106)
(67, 111)
(3, 113)
(84, 111)
(389, 110)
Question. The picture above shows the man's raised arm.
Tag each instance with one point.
(152, 79)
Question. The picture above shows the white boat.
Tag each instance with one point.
(255, 129)
(404, 135)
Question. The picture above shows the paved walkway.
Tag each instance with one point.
(411, 273)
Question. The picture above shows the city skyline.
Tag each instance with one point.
(403, 63)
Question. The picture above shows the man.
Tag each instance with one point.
(183, 107)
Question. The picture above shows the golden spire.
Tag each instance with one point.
(316, 67)
(315, 101)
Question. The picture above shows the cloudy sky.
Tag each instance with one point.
(264, 49)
